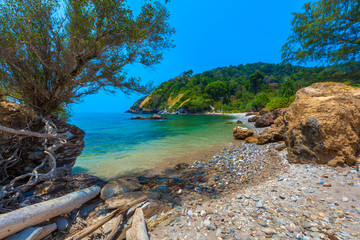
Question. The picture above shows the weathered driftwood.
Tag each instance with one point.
(85, 232)
(20, 219)
(34, 233)
(138, 229)
(119, 224)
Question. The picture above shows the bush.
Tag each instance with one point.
(260, 101)
(279, 102)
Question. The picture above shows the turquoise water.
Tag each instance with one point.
(116, 145)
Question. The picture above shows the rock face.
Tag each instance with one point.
(242, 133)
(32, 151)
(322, 125)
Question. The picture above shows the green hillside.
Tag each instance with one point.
(249, 87)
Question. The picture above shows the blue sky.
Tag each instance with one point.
(210, 34)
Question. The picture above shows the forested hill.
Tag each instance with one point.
(234, 88)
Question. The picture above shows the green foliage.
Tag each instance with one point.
(256, 80)
(326, 30)
(259, 101)
(279, 102)
(216, 90)
(229, 89)
(52, 53)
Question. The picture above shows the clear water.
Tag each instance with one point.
(116, 145)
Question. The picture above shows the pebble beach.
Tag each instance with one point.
(257, 194)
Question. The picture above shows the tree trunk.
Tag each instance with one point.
(20, 219)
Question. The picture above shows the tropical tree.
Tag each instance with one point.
(327, 31)
(256, 80)
(53, 52)
(216, 90)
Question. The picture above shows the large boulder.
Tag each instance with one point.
(242, 133)
(322, 125)
(265, 120)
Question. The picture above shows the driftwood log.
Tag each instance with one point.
(87, 231)
(20, 219)
(138, 230)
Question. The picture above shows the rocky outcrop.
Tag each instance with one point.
(265, 120)
(322, 125)
(17, 116)
(242, 133)
(153, 117)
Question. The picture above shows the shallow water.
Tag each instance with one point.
(116, 145)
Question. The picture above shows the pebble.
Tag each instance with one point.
(297, 206)
(190, 213)
(269, 231)
(345, 199)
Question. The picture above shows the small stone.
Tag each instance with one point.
(262, 223)
(206, 222)
(305, 224)
(282, 196)
(218, 232)
(294, 199)
(327, 184)
(345, 199)
(239, 196)
(259, 205)
(269, 231)
(61, 222)
(203, 213)
(189, 213)
(211, 227)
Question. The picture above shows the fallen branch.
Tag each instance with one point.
(20, 219)
(116, 228)
(27, 133)
(107, 218)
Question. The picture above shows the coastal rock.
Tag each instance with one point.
(322, 125)
(253, 119)
(251, 139)
(181, 166)
(153, 117)
(239, 122)
(123, 199)
(265, 120)
(119, 186)
(242, 133)
(270, 135)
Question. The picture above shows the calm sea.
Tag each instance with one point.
(117, 146)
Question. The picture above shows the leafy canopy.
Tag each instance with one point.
(327, 31)
(53, 52)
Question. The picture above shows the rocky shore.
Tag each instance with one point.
(294, 202)
(248, 190)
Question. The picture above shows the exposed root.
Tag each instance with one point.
(11, 194)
